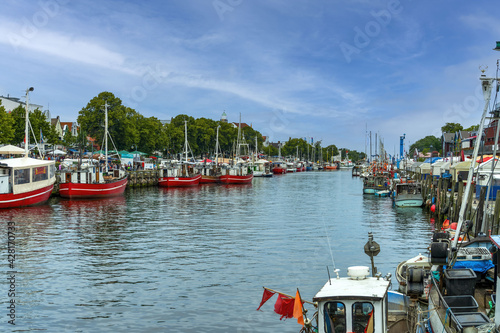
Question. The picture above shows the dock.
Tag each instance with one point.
(446, 196)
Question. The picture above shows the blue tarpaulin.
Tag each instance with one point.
(480, 266)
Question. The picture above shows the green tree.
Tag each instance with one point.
(37, 121)
(122, 121)
(473, 128)
(424, 145)
(295, 148)
(6, 126)
(69, 140)
(451, 128)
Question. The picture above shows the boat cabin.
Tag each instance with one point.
(21, 175)
(357, 303)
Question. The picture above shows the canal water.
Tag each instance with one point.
(196, 259)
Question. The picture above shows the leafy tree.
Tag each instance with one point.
(38, 122)
(18, 115)
(122, 120)
(329, 152)
(270, 151)
(473, 128)
(295, 147)
(424, 145)
(451, 128)
(6, 126)
(204, 131)
(69, 140)
(355, 156)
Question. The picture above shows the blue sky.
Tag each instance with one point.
(330, 70)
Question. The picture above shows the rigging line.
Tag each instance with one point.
(329, 245)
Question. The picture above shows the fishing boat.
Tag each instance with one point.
(210, 170)
(279, 168)
(300, 166)
(331, 166)
(25, 181)
(408, 195)
(346, 164)
(356, 171)
(360, 302)
(238, 171)
(93, 180)
(374, 183)
(180, 173)
(291, 167)
(259, 166)
(262, 168)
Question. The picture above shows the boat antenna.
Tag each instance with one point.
(329, 278)
(329, 246)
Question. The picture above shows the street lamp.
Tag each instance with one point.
(26, 128)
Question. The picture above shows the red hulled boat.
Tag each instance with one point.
(180, 174)
(90, 180)
(25, 181)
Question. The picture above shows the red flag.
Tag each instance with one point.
(267, 295)
(284, 306)
(297, 309)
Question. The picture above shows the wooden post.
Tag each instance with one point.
(480, 211)
(496, 214)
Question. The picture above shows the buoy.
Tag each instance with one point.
(432, 220)
(453, 226)
(446, 224)
(433, 208)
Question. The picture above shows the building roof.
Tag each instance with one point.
(243, 125)
(54, 121)
(449, 137)
(67, 123)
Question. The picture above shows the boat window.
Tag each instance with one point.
(362, 317)
(52, 171)
(21, 176)
(40, 173)
(335, 317)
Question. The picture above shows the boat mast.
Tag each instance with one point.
(486, 84)
(238, 140)
(186, 140)
(217, 147)
(26, 127)
(106, 135)
(256, 150)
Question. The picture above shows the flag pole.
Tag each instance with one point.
(274, 291)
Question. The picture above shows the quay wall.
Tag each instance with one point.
(446, 195)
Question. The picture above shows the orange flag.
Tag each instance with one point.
(297, 309)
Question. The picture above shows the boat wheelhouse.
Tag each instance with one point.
(25, 181)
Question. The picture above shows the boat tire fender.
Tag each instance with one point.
(415, 274)
(440, 236)
(414, 289)
(439, 252)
